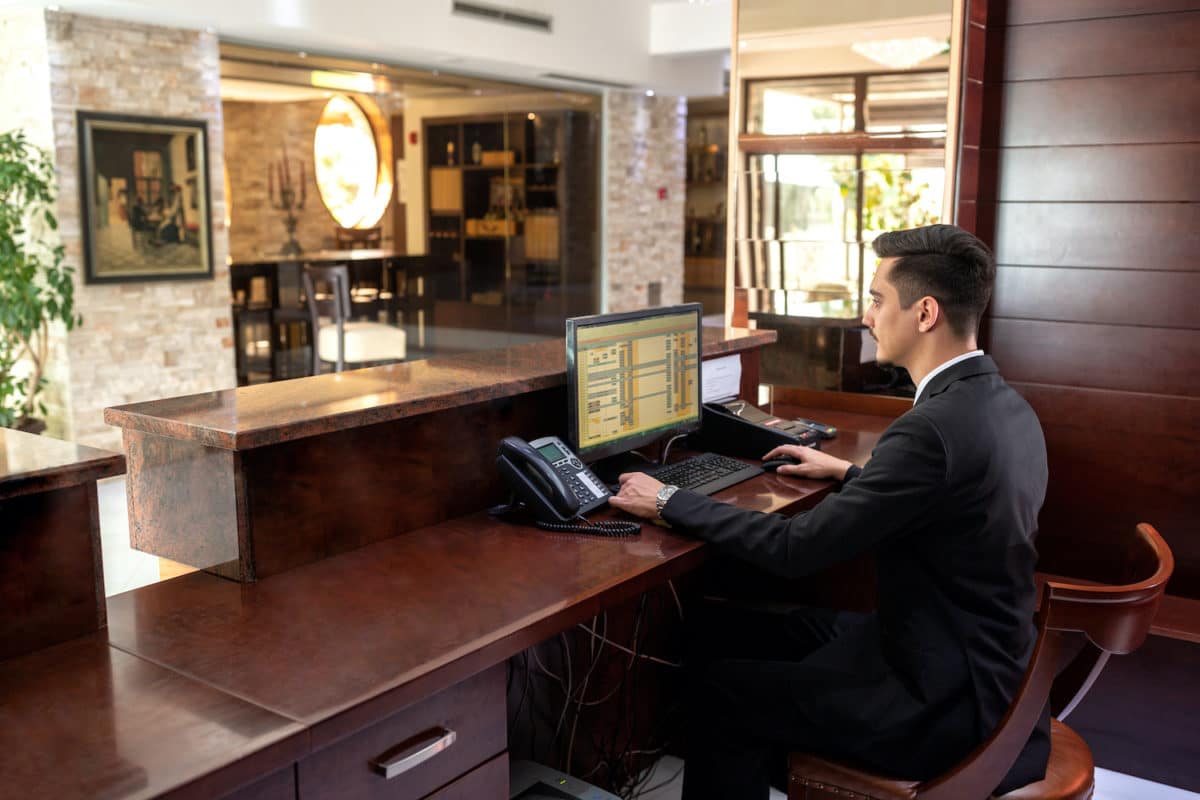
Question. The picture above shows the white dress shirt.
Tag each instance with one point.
(940, 367)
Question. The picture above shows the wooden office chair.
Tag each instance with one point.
(357, 238)
(341, 341)
(1112, 619)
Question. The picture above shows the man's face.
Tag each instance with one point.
(894, 328)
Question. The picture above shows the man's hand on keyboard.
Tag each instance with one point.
(813, 463)
(637, 495)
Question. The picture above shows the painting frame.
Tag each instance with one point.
(136, 175)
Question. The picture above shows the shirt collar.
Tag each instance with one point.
(942, 368)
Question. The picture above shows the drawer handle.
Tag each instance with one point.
(417, 750)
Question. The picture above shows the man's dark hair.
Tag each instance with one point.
(946, 263)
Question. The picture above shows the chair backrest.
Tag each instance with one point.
(327, 290)
(1116, 619)
(357, 238)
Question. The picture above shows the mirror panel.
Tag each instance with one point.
(839, 119)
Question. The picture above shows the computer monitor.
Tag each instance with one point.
(632, 377)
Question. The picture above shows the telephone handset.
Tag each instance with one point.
(554, 486)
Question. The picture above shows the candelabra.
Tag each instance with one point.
(288, 201)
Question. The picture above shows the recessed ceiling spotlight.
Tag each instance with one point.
(649, 93)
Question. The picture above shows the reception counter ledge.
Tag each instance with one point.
(51, 579)
(254, 481)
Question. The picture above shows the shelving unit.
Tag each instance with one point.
(512, 201)
(704, 219)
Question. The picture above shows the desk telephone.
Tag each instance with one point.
(555, 487)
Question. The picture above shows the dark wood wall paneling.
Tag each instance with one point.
(1088, 179)
(1089, 191)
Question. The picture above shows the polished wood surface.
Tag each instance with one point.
(487, 780)
(1026, 12)
(1126, 358)
(369, 632)
(254, 416)
(1155, 109)
(387, 621)
(1157, 173)
(1102, 296)
(322, 495)
(51, 580)
(1083, 48)
(84, 720)
(1128, 452)
(1093, 192)
(474, 711)
(30, 463)
(1154, 237)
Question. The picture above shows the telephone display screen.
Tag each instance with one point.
(551, 453)
(633, 377)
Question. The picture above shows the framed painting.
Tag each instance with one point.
(145, 198)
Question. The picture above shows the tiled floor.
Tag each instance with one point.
(1109, 785)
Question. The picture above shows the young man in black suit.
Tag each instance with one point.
(948, 503)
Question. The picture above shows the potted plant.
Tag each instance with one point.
(36, 289)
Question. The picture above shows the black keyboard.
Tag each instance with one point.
(707, 473)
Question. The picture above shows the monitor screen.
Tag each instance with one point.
(632, 377)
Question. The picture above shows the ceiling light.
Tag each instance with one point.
(649, 93)
(899, 53)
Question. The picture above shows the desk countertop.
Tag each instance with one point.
(30, 464)
(264, 414)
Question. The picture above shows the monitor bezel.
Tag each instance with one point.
(597, 452)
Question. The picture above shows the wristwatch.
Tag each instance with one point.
(660, 499)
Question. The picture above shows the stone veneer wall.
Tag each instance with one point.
(148, 339)
(646, 140)
(255, 135)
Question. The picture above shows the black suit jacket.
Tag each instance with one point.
(949, 503)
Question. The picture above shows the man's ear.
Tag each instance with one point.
(928, 313)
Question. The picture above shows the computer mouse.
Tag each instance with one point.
(776, 463)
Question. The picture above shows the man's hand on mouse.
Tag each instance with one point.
(638, 494)
(812, 463)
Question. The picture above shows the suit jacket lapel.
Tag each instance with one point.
(979, 365)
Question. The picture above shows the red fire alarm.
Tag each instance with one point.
(412, 137)
(662, 193)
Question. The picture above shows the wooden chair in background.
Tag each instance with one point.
(1110, 619)
(337, 339)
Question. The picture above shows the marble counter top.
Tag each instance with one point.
(265, 414)
(30, 464)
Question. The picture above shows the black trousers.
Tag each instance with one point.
(742, 664)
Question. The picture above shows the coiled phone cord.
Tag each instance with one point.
(612, 528)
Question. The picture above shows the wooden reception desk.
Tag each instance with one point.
(292, 685)
(51, 578)
(255, 481)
